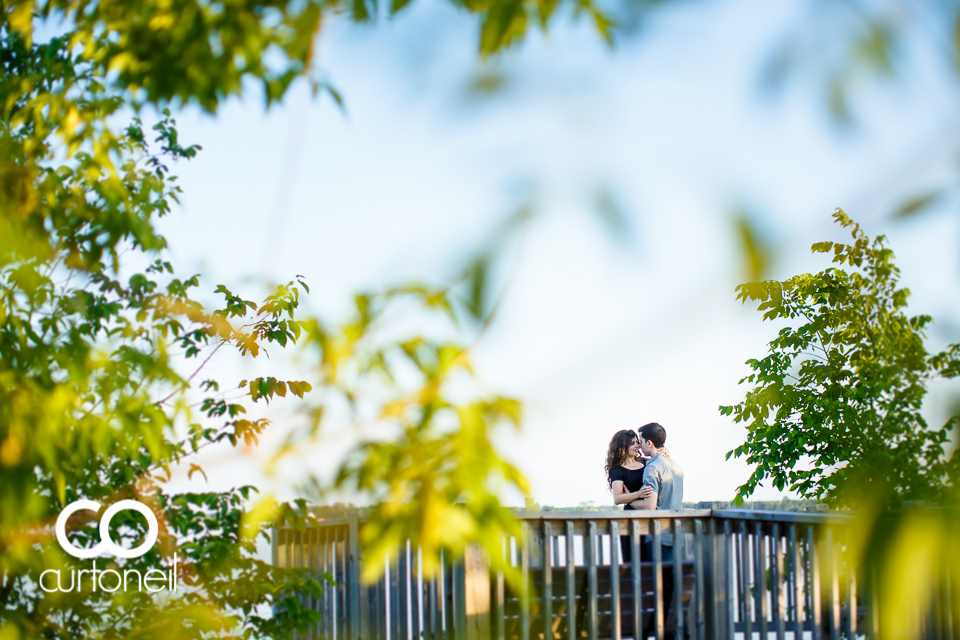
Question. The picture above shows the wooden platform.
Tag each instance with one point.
(559, 618)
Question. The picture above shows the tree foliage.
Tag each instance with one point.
(834, 409)
(104, 347)
(93, 406)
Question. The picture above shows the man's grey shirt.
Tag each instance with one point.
(666, 477)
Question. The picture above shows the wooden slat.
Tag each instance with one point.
(729, 561)
(312, 564)
(698, 573)
(444, 629)
(760, 582)
(590, 555)
(343, 620)
(949, 602)
(524, 543)
(738, 562)
(571, 584)
(812, 547)
(292, 548)
(336, 562)
(873, 608)
(832, 563)
(393, 598)
(797, 583)
(275, 546)
(678, 577)
(776, 516)
(500, 595)
(322, 569)
(556, 546)
(327, 599)
(635, 568)
(548, 561)
(936, 613)
(530, 516)
(416, 593)
(353, 578)
(427, 608)
(614, 581)
(657, 580)
(460, 599)
(331, 590)
(716, 631)
(403, 573)
(777, 579)
(344, 585)
(380, 603)
(436, 620)
(449, 600)
(745, 566)
(789, 586)
(321, 600)
(290, 552)
(851, 596)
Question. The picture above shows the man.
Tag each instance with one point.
(664, 476)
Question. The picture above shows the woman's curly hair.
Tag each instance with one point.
(617, 452)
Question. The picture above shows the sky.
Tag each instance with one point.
(600, 328)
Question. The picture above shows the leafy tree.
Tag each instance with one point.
(103, 347)
(834, 409)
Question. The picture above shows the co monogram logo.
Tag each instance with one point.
(106, 543)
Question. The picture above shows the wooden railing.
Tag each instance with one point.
(735, 573)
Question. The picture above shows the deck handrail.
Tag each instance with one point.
(736, 571)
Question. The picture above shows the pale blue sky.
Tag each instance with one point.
(596, 334)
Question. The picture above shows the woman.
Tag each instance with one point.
(624, 469)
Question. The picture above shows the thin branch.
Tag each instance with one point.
(194, 374)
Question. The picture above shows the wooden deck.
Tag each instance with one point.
(740, 572)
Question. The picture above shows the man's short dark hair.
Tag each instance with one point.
(654, 432)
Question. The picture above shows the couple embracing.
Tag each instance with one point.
(642, 475)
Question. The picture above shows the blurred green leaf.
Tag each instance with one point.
(613, 215)
(918, 204)
(755, 252)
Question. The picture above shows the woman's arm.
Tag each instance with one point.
(622, 496)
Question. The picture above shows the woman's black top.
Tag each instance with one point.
(632, 480)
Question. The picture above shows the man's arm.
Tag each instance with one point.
(648, 503)
(651, 481)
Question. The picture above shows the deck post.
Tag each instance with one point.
(615, 631)
(729, 564)
(570, 583)
(275, 547)
(677, 604)
(525, 587)
(719, 566)
(548, 561)
(358, 621)
(590, 553)
(714, 629)
(476, 590)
